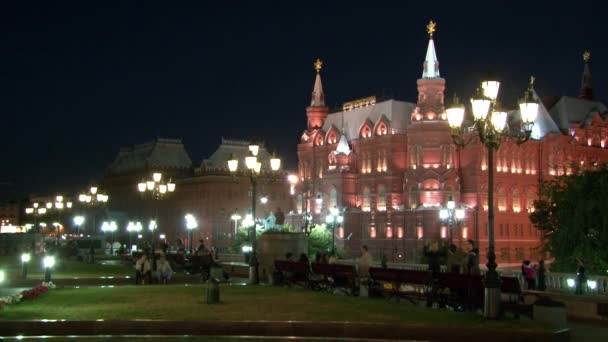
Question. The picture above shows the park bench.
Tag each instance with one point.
(512, 297)
(408, 284)
(176, 260)
(294, 272)
(335, 277)
(199, 264)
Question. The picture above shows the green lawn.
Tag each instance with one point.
(180, 302)
(66, 268)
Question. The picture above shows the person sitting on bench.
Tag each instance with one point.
(143, 270)
(163, 269)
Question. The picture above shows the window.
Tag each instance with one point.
(366, 199)
(505, 255)
(516, 201)
(333, 200)
(519, 254)
(381, 200)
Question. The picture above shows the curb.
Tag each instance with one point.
(332, 329)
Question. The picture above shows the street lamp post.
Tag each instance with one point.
(78, 221)
(253, 169)
(95, 199)
(334, 218)
(48, 262)
(156, 188)
(235, 217)
(191, 224)
(490, 128)
(110, 227)
(452, 216)
(25, 259)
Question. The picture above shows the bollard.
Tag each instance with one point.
(213, 285)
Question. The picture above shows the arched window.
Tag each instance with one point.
(516, 200)
(530, 197)
(366, 199)
(299, 203)
(501, 197)
(333, 200)
(381, 199)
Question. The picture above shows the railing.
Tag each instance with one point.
(554, 281)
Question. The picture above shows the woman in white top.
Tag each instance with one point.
(163, 270)
(143, 270)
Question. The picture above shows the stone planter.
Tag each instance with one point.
(550, 313)
(274, 245)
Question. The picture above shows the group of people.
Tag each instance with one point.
(457, 260)
(144, 268)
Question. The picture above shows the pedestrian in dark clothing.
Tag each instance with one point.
(431, 252)
(580, 276)
(542, 286)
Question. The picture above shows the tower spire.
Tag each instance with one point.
(317, 111)
(318, 97)
(431, 64)
(586, 91)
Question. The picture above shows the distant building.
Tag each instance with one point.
(391, 165)
(207, 191)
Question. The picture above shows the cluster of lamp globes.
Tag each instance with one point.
(252, 163)
(497, 119)
(93, 196)
(444, 214)
(59, 204)
(155, 185)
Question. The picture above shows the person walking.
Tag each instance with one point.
(580, 276)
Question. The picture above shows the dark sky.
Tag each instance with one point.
(80, 79)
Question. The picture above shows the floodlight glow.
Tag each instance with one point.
(570, 282)
(26, 257)
(246, 249)
(48, 261)
(592, 284)
(1, 277)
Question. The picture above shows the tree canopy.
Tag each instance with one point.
(572, 213)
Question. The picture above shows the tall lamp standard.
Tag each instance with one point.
(452, 216)
(156, 189)
(94, 199)
(235, 217)
(110, 227)
(36, 211)
(490, 129)
(78, 221)
(191, 223)
(253, 169)
(333, 218)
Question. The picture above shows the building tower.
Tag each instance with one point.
(317, 111)
(432, 175)
(586, 91)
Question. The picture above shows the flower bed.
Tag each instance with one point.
(26, 294)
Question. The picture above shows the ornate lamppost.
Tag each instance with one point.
(452, 216)
(235, 217)
(490, 128)
(94, 199)
(191, 224)
(156, 189)
(334, 218)
(253, 170)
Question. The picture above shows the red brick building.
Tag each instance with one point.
(391, 165)
(208, 191)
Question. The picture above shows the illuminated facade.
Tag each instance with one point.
(391, 165)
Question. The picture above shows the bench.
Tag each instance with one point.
(294, 272)
(408, 284)
(336, 276)
(199, 264)
(512, 297)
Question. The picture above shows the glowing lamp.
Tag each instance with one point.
(26, 257)
(157, 176)
(48, 261)
(171, 186)
(254, 149)
(490, 89)
(93, 190)
(141, 187)
(275, 163)
(499, 120)
(455, 113)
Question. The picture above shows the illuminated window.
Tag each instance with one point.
(419, 233)
(389, 232)
(381, 199)
(465, 233)
(372, 232)
(444, 232)
(516, 200)
(400, 232)
(366, 199)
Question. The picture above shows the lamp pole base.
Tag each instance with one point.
(254, 276)
(491, 303)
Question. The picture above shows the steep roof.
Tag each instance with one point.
(571, 110)
(160, 153)
(237, 148)
(397, 112)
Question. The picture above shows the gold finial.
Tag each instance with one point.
(586, 56)
(318, 65)
(532, 79)
(430, 28)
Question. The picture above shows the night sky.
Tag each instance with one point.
(79, 80)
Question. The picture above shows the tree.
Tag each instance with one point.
(572, 213)
(319, 240)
